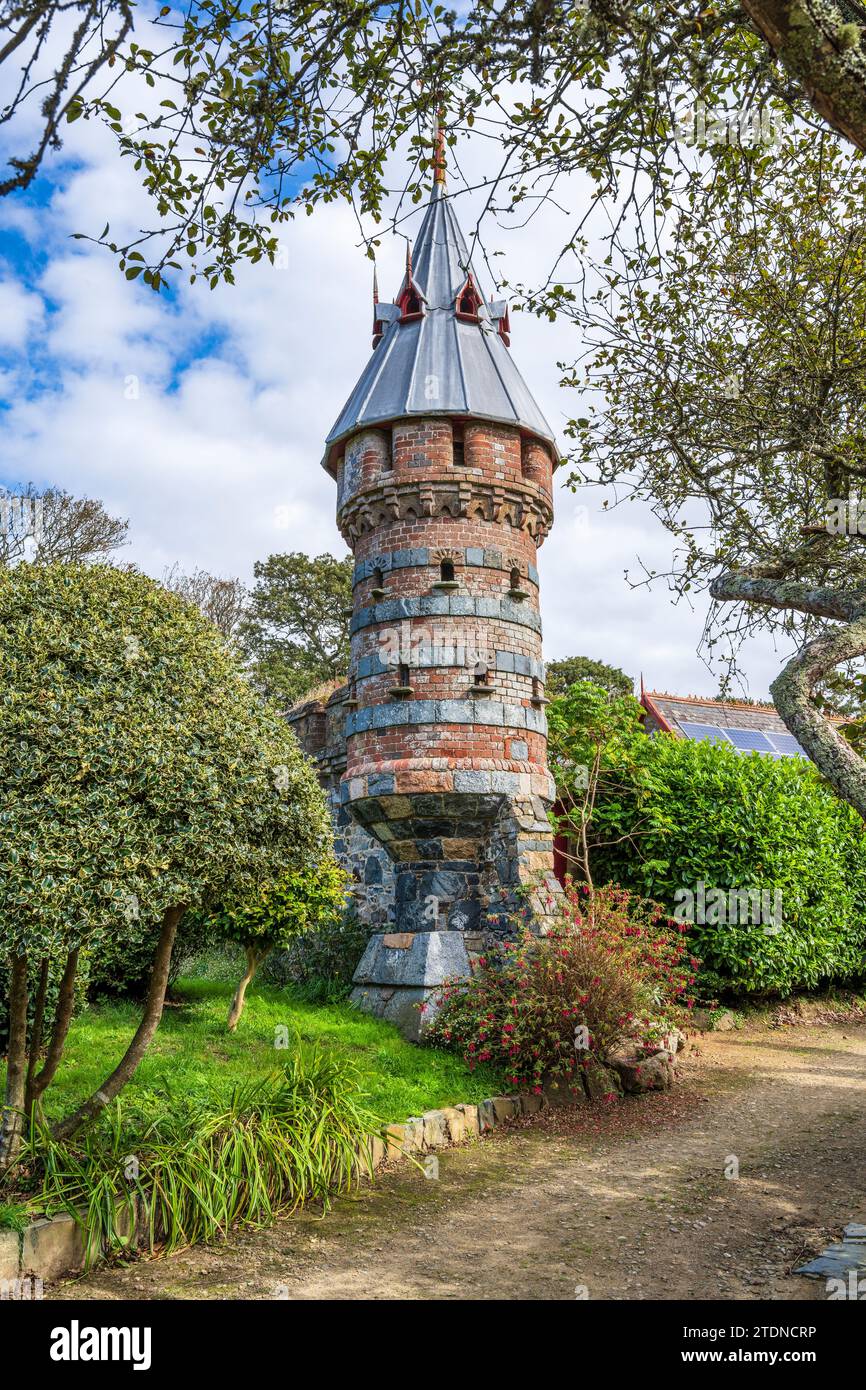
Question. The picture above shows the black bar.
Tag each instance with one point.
(224, 1338)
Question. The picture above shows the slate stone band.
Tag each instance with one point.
(425, 658)
(473, 556)
(407, 712)
(441, 606)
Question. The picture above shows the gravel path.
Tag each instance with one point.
(628, 1202)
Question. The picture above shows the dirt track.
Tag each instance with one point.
(629, 1202)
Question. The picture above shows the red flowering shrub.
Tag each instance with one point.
(614, 969)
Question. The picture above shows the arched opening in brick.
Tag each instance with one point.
(403, 689)
(378, 590)
(446, 571)
(458, 449)
(517, 591)
(482, 683)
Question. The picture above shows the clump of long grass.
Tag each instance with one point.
(194, 1166)
(14, 1216)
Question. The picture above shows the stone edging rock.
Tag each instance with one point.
(50, 1247)
(438, 1129)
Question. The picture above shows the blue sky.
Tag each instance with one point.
(200, 415)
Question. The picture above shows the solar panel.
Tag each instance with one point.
(771, 744)
(787, 745)
(750, 741)
(703, 733)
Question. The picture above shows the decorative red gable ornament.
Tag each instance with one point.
(410, 300)
(469, 301)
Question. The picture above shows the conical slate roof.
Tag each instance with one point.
(438, 363)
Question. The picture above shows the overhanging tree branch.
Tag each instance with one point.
(822, 50)
(788, 594)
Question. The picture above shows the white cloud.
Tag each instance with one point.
(20, 313)
(97, 324)
(17, 217)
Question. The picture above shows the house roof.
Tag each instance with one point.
(436, 362)
(748, 728)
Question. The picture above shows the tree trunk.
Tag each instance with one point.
(36, 1033)
(151, 1016)
(793, 689)
(37, 1082)
(813, 46)
(236, 1008)
(12, 1123)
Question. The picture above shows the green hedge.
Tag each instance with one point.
(120, 966)
(319, 965)
(702, 813)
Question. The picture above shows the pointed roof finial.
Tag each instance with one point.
(375, 286)
(408, 261)
(439, 155)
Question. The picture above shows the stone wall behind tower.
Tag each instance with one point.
(318, 727)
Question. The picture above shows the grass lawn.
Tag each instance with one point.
(192, 1052)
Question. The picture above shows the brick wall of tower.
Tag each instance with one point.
(405, 506)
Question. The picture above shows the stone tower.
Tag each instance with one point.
(443, 464)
